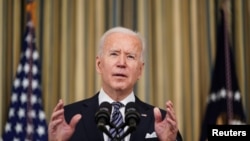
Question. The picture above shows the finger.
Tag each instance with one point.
(157, 115)
(172, 122)
(59, 105)
(75, 120)
(172, 125)
(170, 114)
(57, 114)
(55, 123)
(170, 103)
(171, 117)
(58, 110)
(170, 110)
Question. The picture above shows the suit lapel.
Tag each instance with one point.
(145, 118)
(89, 109)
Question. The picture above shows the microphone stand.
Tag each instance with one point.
(117, 137)
(103, 128)
(120, 138)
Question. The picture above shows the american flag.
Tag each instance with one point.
(224, 101)
(26, 118)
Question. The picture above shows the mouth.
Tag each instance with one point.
(119, 75)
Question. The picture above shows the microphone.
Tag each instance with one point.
(132, 118)
(102, 117)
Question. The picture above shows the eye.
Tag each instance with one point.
(113, 54)
(131, 56)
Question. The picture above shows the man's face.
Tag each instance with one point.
(120, 65)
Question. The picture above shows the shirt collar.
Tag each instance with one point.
(105, 97)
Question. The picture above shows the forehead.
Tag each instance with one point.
(122, 39)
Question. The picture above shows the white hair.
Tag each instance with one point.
(121, 30)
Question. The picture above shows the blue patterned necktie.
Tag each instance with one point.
(116, 120)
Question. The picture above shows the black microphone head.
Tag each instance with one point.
(132, 117)
(102, 116)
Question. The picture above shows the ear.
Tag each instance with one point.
(98, 64)
(141, 70)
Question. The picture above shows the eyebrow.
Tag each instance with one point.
(117, 50)
(114, 50)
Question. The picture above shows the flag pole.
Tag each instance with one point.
(228, 77)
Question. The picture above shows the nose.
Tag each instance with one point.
(122, 61)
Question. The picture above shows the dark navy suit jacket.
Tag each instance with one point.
(86, 129)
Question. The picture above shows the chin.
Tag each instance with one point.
(119, 88)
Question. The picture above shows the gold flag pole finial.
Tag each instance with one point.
(31, 8)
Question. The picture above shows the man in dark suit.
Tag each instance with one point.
(120, 63)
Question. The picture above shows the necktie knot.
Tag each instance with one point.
(117, 105)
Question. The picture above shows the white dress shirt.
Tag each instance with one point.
(104, 97)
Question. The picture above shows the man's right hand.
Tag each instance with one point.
(59, 129)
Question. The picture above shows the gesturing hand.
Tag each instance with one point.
(166, 129)
(59, 129)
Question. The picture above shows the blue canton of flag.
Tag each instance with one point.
(26, 118)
